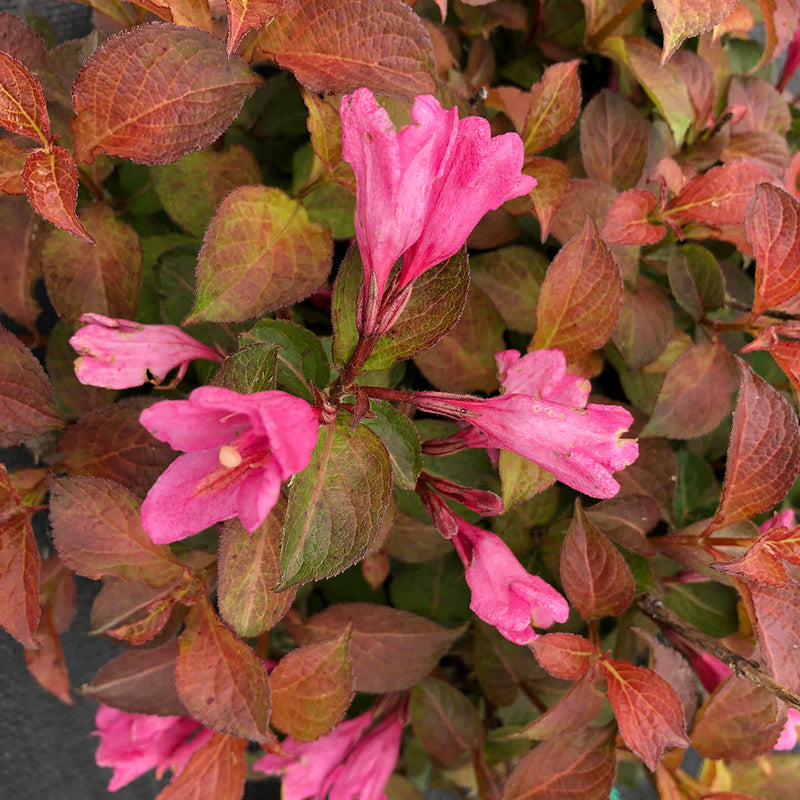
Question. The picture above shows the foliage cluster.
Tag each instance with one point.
(182, 166)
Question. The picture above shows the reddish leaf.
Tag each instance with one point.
(775, 613)
(626, 520)
(19, 231)
(614, 136)
(682, 19)
(51, 184)
(27, 404)
(572, 712)
(627, 221)
(217, 769)
(772, 225)
(260, 253)
(696, 393)
(501, 666)
(764, 108)
(757, 564)
(19, 577)
(554, 103)
(102, 279)
(312, 687)
(98, 532)
(583, 198)
(22, 106)
(764, 452)
(737, 722)
(247, 15)
(645, 323)
(649, 713)
(249, 568)
(445, 722)
(564, 655)
(155, 92)
(139, 682)
(579, 766)
(390, 650)
(46, 663)
(765, 147)
(721, 195)
(110, 443)
(654, 473)
(12, 160)
(581, 296)
(220, 679)
(136, 612)
(335, 46)
(192, 188)
(595, 577)
(552, 182)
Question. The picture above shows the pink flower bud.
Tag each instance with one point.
(504, 594)
(119, 354)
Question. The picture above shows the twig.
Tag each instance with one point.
(741, 666)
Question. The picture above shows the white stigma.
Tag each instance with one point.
(229, 456)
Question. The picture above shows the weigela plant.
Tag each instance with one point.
(424, 376)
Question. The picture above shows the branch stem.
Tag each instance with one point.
(741, 666)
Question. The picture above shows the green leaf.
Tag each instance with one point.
(711, 607)
(336, 504)
(695, 280)
(521, 479)
(512, 277)
(251, 369)
(443, 287)
(463, 360)
(434, 589)
(401, 440)
(191, 188)
(260, 253)
(301, 357)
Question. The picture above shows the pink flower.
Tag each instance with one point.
(349, 763)
(119, 354)
(788, 738)
(133, 744)
(504, 594)
(544, 416)
(238, 450)
(421, 191)
(780, 519)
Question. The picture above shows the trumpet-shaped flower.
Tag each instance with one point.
(544, 416)
(133, 744)
(349, 763)
(504, 594)
(120, 354)
(238, 450)
(420, 192)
